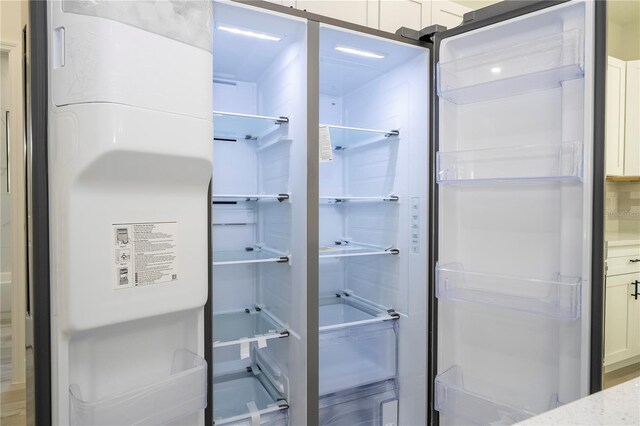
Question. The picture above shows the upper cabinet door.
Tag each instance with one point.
(414, 14)
(615, 116)
(447, 13)
(632, 127)
(355, 11)
(514, 169)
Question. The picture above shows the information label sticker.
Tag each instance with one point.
(326, 150)
(145, 254)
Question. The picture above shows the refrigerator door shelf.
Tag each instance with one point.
(346, 138)
(559, 162)
(245, 398)
(556, 298)
(339, 199)
(345, 248)
(231, 126)
(535, 65)
(181, 393)
(362, 405)
(239, 198)
(249, 255)
(249, 325)
(348, 310)
(453, 399)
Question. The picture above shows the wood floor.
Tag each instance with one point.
(12, 396)
(621, 375)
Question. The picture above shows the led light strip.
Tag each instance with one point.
(249, 33)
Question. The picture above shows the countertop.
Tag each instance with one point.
(621, 238)
(619, 405)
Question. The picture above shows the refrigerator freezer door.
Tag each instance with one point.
(515, 169)
(129, 168)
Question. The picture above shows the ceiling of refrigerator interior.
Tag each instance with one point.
(553, 20)
(245, 58)
(341, 72)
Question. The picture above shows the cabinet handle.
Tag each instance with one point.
(634, 260)
(635, 293)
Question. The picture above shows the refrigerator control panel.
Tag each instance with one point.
(415, 225)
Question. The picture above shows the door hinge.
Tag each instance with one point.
(425, 34)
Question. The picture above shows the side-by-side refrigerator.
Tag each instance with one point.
(247, 214)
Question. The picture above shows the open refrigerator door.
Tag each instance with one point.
(515, 174)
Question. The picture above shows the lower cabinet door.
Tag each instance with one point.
(622, 318)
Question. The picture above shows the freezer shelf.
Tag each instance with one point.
(344, 248)
(247, 256)
(227, 125)
(453, 399)
(371, 405)
(182, 392)
(339, 199)
(235, 198)
(528, 163)
(558, 298)
(540, 64)
(347, 310)
(343, 138)
(240, 398)
(248, 325)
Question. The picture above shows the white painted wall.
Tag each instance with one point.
(623, 40)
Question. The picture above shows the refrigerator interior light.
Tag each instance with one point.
(496, 70)
(359, 52)
(249, 33)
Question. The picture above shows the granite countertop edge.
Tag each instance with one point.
(619, 405)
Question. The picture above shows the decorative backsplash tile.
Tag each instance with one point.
(622, 206)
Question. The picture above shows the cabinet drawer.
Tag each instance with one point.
(622, 265)
(619, 250)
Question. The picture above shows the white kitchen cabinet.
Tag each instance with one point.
(386, 15)
(355, 11)
(288, 3)
(615, 116)
(622, 307)
(415, 14)
(447, 13)
(632, 122)
(622, 319)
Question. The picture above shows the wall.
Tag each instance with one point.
(623, 40)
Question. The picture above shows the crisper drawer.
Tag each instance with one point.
(274, 418)
(623, 265)
(357, 355)
(248, 398)
(179, 394)
(371, 405)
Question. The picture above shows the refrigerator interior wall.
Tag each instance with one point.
(513, 171)
(118, 152)
(259, 215)
(374, 113)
